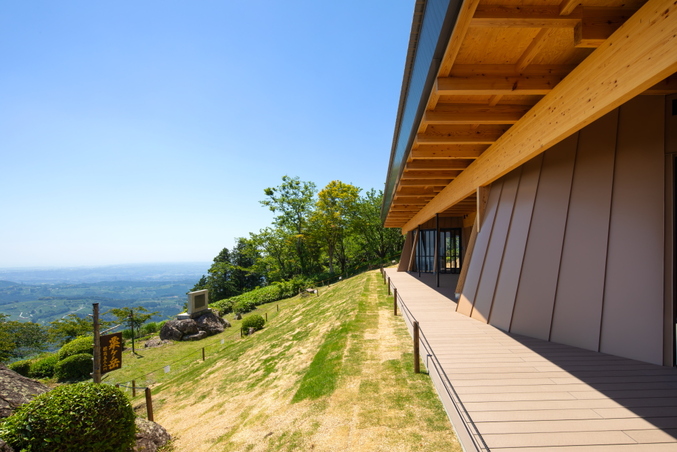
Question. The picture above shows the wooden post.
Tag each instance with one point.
(96, 371)
(417, 358)
(203, 354)
(278, 308)
(149, 404)
(266, 317)
(395, 300)
(131, 325)
(133, 388)
(388, 285)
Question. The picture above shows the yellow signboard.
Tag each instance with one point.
(111, 352)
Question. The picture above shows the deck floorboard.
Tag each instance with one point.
(525, 394)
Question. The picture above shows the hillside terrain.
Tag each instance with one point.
(44, 303)
(328, 372)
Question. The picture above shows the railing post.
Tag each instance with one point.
(388, 285)
(149, 404)
(395, 300)
(417, 357)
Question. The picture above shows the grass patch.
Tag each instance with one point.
(322, 375)
(332, 372)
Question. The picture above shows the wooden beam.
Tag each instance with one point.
(637, 56)
(424, 182)
(496, 85)
(540, 41)
(460, 135)
(531, 16)
(568, 6)
(415, 191)
(418, 175)
(428, 165)
(523, 86)
(463, 21)
(474, 114)
(598, 24)
(508, 70)
(453, 151)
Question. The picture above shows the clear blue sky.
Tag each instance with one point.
(146, 131)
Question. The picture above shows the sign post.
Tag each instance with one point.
(96, 374)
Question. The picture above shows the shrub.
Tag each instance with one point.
(73, 418)
(149, 328)
(243, 305)
(74, 368)
(21, 367)
(253, 321)
(82, 344)
(222, 307)
(43, 367)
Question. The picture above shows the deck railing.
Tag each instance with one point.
(469, 425)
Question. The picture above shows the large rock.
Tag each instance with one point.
(204, 325)
(149, 436)
(15, 390)
(211, 323)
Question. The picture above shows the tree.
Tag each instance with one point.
(378, 241)
(334, 210)
(132, 317)
(292, 200)
(68, 328)
(21, 339)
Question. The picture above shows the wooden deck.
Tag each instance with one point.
(514, 393)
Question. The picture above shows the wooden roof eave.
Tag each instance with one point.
(634, 58)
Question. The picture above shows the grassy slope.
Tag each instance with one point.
(332, 372)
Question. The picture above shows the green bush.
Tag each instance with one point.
(74, 368)
(253, 321)
(21, 367)
(222, 307)
(82, 344)
(43, 367)
(149, 328)
(80, 417)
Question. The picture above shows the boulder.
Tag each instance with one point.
(206, 324)
(149, 436)
(188, 326)
(156, 342)
(15, 390)
(211, 323)
(195, 337)
(170, 332)
(4, 447)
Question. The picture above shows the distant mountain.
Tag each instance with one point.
(130, 272)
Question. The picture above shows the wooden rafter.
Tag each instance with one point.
(474, 114)
(453, 151)
(531, 16)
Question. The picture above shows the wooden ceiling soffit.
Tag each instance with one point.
(640, 54)
(486, 134)
(524, 16)
(453, 151)
(424, 182)
(420, 175)
(437, 164)
(497, 85)
(474, 114)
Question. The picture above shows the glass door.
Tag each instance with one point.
(450, 253)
